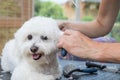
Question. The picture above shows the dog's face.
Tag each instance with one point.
(37, 38)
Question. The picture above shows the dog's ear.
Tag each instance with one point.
(18, 33)
(21, 31)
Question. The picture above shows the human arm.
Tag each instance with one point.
(102, 24)
(81, 46)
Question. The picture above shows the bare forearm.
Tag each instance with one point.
(107, 52)
(104, 22)
(79, 45)
(90, 29)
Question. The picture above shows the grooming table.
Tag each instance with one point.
(100, 75)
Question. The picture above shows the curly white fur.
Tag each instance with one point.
(31, 55)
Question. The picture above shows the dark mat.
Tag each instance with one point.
(100, 75)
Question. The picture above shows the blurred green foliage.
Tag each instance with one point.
(115, 33)
(48, 9)
(116, 29)
(118, 17)
(87, 18)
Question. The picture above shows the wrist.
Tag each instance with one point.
(97, 52)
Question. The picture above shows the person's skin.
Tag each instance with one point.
(78, 43)
(104, 22)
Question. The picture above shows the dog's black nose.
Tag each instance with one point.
(34, 49)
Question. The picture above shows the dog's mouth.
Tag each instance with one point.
(36, 56)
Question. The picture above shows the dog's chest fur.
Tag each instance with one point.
(50, 68)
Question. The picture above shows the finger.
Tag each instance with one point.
(61, 26)
(62, 40)
(69, 32)
(59, 45)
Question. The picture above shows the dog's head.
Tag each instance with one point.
(38, 37)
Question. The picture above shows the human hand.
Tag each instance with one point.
(78, 44)
(63, 25)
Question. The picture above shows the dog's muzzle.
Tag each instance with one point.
(35, 54)
(34, 49)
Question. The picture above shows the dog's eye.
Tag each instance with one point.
(44, 37)
(29, 37)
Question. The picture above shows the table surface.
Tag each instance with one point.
(100, 75)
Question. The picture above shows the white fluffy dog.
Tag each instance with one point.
(31, 55)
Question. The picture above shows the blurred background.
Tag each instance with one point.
(13, 13)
